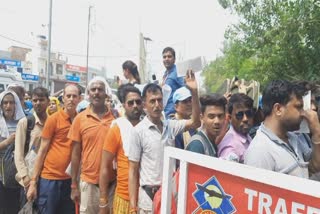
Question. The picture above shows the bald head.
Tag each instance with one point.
(71, 97)
(72, 86)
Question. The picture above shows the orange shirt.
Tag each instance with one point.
(58, 157)
(113, 144)
(90, 131)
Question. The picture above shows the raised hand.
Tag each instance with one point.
(191, 82)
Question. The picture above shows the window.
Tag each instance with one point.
(59, 69)
(2, 88)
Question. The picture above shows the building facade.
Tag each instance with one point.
(31, 65)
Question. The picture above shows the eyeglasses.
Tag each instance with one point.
(240, 114)
(131, 102)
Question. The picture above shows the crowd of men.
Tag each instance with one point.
(116, 162)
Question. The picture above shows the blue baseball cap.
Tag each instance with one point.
(181, 94)
(82, 105)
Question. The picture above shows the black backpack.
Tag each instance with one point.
(8, 167)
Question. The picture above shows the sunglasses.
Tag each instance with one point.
(240, 114)
(131, 102)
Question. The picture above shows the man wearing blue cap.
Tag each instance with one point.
(182, 99)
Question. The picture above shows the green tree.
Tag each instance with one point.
(274, 39)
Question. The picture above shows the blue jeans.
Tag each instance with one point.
(54, 197)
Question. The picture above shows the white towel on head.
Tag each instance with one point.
(18, 114)
(99, 79)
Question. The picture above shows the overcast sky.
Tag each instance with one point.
(193, 28)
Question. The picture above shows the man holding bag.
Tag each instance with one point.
(28, 137)
(50, 184)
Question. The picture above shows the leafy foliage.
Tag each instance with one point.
(274, 39)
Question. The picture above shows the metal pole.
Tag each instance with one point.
(88, 39)
(49, 46)
(147, 67)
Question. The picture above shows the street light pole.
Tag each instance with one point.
(49, 46)
(88, 39)
(147, 39)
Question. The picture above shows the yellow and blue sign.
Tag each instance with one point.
(212, 199)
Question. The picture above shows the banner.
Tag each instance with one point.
(209, 185)
(76, 68)
(222, 193)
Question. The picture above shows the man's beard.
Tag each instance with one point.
(291, 125)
